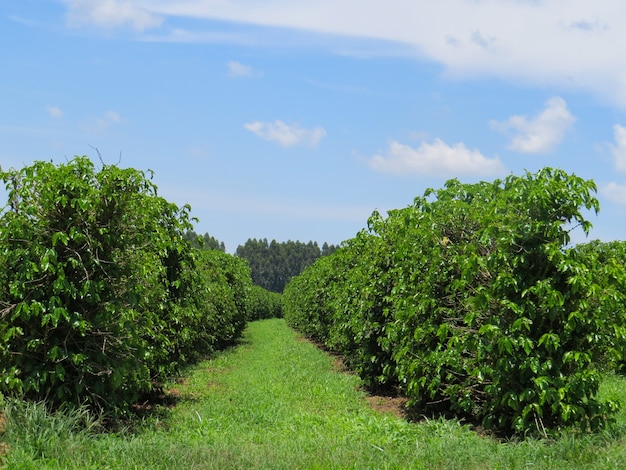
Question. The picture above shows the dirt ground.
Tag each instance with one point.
(392, 405)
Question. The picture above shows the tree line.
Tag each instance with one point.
(272, 264)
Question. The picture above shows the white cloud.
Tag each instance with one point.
(619, 149)
(541, 133)
(539, 42)
(55, 112)
(615, 192)
(110, 14)
(479, 39)
(237, 69)
(436, 159)
(286, 135)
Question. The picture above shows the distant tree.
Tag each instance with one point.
(204, 242)
(272, 264)
(328, 249)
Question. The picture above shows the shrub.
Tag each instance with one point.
(307, 298)
(264, 304)
(471, 301)
(221, 296)
(100, 294)
(607, 262)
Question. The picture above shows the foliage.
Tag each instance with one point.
(264, 304)
(221, 296)
(607, 262)
(341, 301)
(273, 264)
(204, 242)
(308, 298)
(98, 287)
(278, 402)
(472, 303)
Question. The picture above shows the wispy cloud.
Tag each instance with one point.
(54, 112)
(110, 118)
(237, 69)
(198, 153)
(110, 14)
(436, 159)
(589, 26)
(238, 203)
(613, 191)
(285, 134)
(104, 122)
(479, 38)
(29, 131)
(21, 20)
(619, 148)
(539, 134)
(336, 87)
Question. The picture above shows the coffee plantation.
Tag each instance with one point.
(471, 302)
(101, 296)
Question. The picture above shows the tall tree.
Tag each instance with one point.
(274, 263)
(204, 242)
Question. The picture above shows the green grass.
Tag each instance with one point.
(276, 402)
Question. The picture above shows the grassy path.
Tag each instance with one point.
(275, 402)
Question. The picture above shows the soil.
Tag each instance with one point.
(390, 405)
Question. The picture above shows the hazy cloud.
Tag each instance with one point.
(615, 192)
(436, 159)
(198, 153)
(110, 14)
(481, 40)
(21, 20)
(237, 69)
(112, 116)
(286, 135)
(258, 205)
(337, 87)
(541, 133)
(586, 25)
(619, 149)
(103, 123)
(54, 112)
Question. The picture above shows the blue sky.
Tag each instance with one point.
(296, 119)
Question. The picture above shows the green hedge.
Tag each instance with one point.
(101, 297)
(264, 304)
(471, 302)
(606, 261)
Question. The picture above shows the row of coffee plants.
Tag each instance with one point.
(470, 301)
(101, 296)
(606, 260)
(264, 304)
